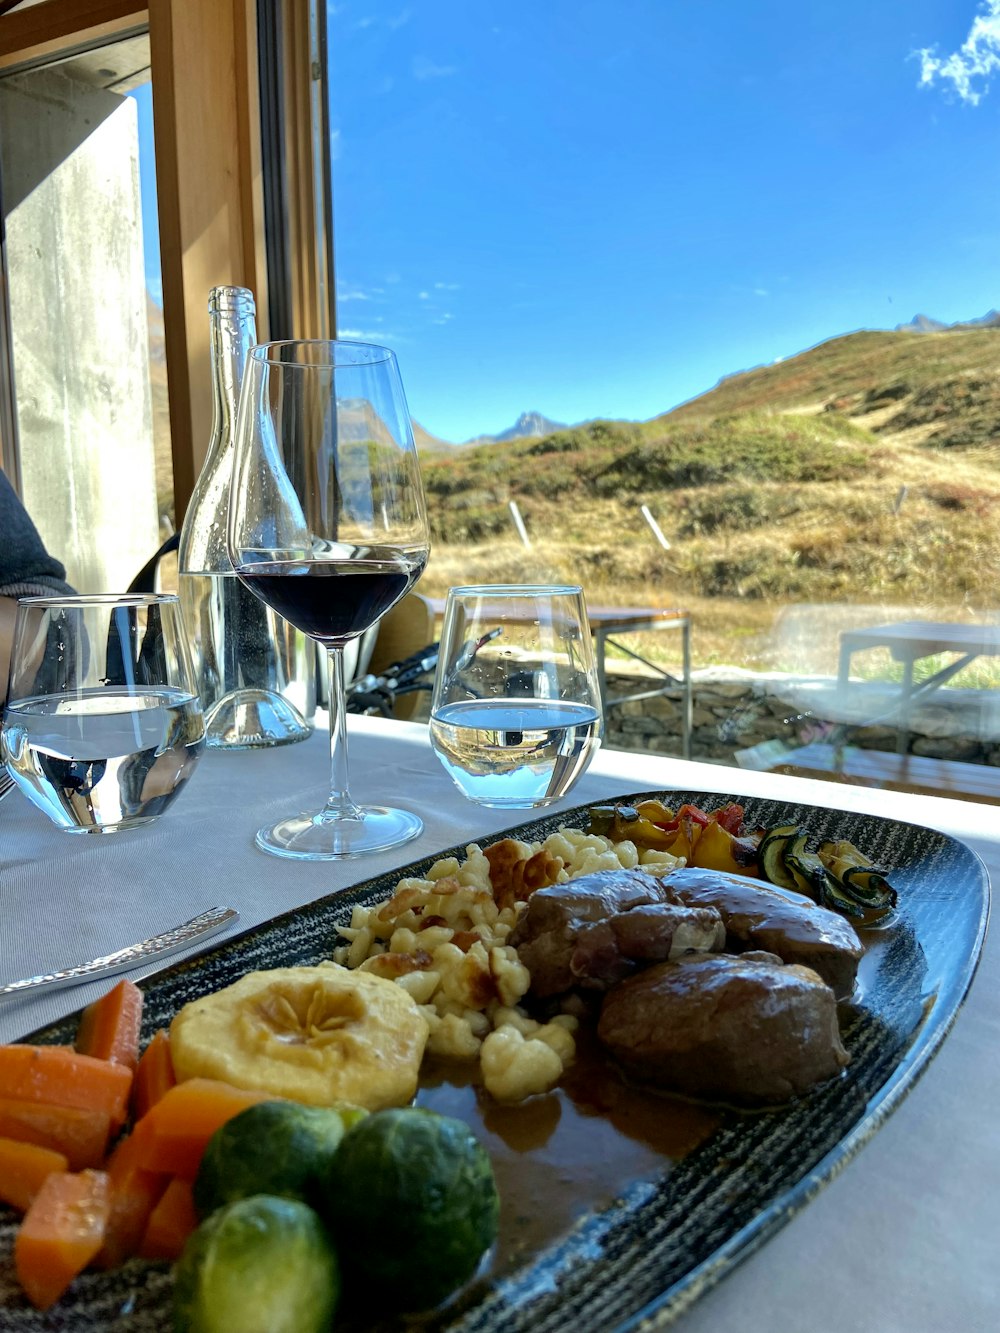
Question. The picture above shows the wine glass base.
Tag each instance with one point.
(321, 837)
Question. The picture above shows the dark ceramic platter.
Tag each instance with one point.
(672, 1235)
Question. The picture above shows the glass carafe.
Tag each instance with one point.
(255, 673)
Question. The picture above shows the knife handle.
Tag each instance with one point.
(157, 946)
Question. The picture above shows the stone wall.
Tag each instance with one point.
(736, 712)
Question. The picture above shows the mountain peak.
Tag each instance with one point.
(988, 321)
(924, 324)
(534, 423)
(527, 424)
(921, 324)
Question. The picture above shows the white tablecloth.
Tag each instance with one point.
(906, 1239)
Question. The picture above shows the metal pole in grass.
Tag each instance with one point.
(654, 527)
(522, 531)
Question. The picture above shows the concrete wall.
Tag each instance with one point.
(70, 189)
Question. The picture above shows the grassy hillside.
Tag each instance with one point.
(866, 470)
(941, 389)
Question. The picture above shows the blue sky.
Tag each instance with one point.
(143, 97)
(593, 209)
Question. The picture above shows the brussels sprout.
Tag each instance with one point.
(259, 1265)
(411, 1197)
(281, 1148)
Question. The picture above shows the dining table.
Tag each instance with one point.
(904, 1239)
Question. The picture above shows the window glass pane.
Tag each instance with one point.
(142, 94)
(693, 253)
(78, 198)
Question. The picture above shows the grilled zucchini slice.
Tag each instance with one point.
(868, 887)
(774, 850)
(810, 874)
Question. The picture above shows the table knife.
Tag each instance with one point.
(157, 946)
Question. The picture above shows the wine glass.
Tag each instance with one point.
(328, 527)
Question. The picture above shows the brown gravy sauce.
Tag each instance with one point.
(569, 1152)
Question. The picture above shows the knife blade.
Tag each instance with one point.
(157, 946)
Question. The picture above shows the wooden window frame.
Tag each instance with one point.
(210, 175)
(298, 172)
(206, 126)
(43, 32)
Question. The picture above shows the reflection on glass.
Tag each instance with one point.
(706, 344)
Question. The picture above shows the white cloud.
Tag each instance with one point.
(375, 20)
(378, 336)
(424, 296)
(761, 291)
(969, 68)
(447, 286)
(426, 69)
(334, 145)
(352, 294)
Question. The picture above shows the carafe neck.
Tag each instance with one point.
(232, 315)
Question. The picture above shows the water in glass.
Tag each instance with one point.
(103, 758)
(103, 728)
(515, 752)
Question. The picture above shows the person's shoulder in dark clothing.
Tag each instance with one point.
(26, 568)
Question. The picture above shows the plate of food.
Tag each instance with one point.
(661, 1025)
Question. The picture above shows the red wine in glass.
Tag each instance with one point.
(333, 601)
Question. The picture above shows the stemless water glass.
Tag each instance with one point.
(327, 525)
(516, 710)
(102, 727)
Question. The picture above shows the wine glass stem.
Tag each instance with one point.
(338, 804)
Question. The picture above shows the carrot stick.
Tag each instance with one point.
(170, 1223)
(135, 1192)
(60, 1234)
(154, 1075)
(23, 1169)
(81, 1135)
(173, 1135)
(60, 1077)
(109, 1028)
